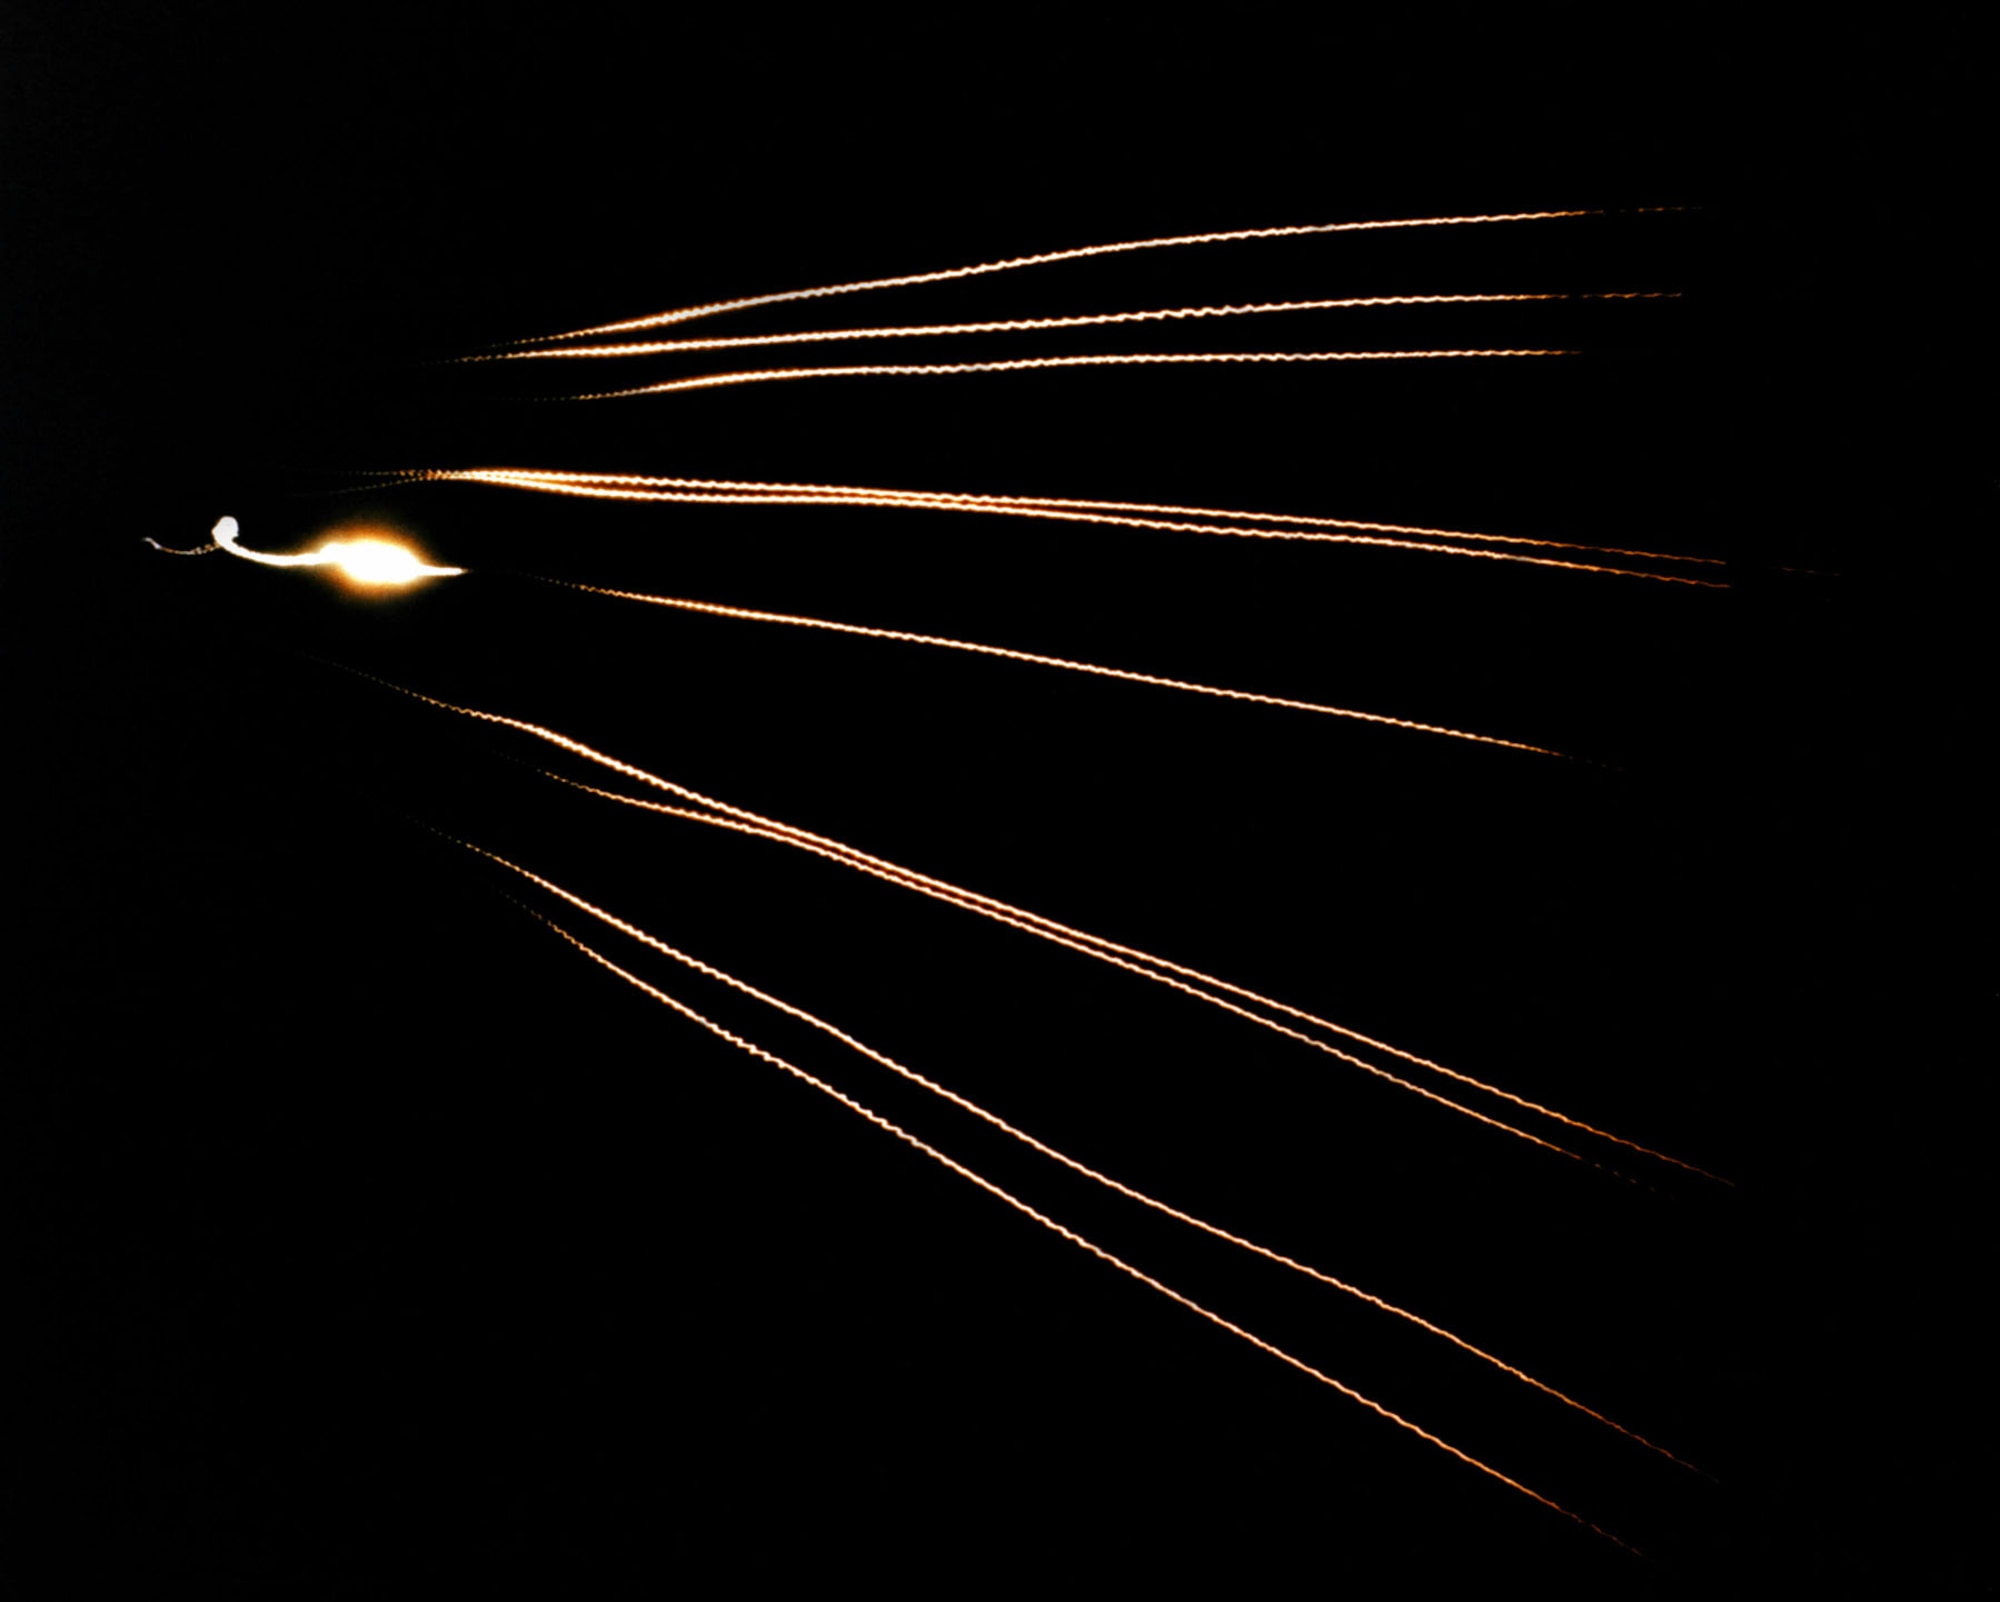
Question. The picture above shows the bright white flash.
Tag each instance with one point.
(370, 561)
(379, 562)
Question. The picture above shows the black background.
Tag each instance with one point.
(368, 1242)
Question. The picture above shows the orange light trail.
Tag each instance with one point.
(1144, 963)
(1045, 258)
(901, 636)
(539, 478)
(773, 834)
(634, 487)
(1070, 1235)
(1016, 325)
(1014, 917)
(993, 1119)
(1050, 929)
(1025, 364)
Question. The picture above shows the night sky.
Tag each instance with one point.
(367, 1241)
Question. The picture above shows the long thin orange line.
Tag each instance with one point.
(1001, 1124)
(1056, 512)
(1024, 364)
(1021, 325)
(902, 636)
(1049, 928)
(788, 492)
(1068, 1234)
(716, 308)
(781, 838)
(591, 754)
(1144, 963)
(775, 833)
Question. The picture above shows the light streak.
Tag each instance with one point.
(367, 561)
(716, 308)
(1049, 929)
(1018, 325)
(1126, 675)
(1014, 917)
(913, 881)
(209, 549)
(1146, 964)
(953, 499)
(631, 487)
(1026, 364)
(910, 1075)
(1070, 1235)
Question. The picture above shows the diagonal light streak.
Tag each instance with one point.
(1126, 675)
(1144, 963)
(993, 1119)
(1117, 962)
(1068, 1234)
(1049, 928)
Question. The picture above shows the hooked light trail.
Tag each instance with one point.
(716, 308)
(901, 636)
(210, 549)
(632, 931)
(1016, 325)
(767, 375)
(1066, 1233)
(725, 492)
(368, 561)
